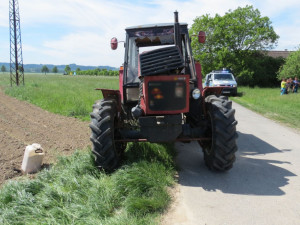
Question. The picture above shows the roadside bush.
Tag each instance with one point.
(291, 68)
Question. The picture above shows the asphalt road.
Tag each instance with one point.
(263, 187)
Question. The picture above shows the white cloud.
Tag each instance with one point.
(272, 8)
(284, 15)
(189, 10)
(287, 41)
(95, 22)
(4, 14)
(80, 48)
(89, 24)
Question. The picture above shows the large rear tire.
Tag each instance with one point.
(104, 120)
(219, 153)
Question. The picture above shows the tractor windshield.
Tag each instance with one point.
(147, 39)
(153, 37)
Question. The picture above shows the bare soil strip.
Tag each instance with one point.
(22, 123)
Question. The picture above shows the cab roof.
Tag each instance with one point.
(153, 26)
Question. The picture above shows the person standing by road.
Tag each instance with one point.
(283, 86)
(296, 85)
(288, 86)
(291, 85)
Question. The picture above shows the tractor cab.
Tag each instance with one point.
(158, 72)
(142, 39)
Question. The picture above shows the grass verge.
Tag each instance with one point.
(269, 103)
(73, 191)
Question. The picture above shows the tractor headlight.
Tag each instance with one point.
(196, 93)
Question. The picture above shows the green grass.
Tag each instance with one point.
(65, 95)
(269, 102)
(73, 191)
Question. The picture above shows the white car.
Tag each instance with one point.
(222, 78)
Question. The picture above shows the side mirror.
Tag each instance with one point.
(114, 43)
(201, 37)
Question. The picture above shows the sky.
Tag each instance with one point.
(79, 31)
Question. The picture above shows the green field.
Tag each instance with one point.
(65, 95)
(269, 102)
(74, 191)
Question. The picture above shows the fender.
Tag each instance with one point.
(112, 94)
(209, 91)
(212, 91)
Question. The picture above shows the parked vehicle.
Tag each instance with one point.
(222, 78)
(161, 99)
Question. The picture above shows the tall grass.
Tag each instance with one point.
(269, 102)
(66, 95)
(74, 192)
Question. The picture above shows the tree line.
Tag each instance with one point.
(239, 41)
(3, 69)
(98, 72)
(78, 71)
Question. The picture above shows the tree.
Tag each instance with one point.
(45, 69)
(104, 72)
(291, 68)
(78, 70)
(232, 40)
(3, 68)
(67, 69)
(54, 70)
(21, 69)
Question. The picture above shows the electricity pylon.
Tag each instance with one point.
(16, 58)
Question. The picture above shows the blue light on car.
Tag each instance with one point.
(225, 70)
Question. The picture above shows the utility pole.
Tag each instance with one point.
(16, 58)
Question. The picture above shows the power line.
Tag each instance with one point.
(16, 57)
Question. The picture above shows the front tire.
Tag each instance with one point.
(219, 154)
(104, 123)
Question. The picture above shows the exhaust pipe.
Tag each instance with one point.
(177, 34)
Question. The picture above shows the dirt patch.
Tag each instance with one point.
(22, 123)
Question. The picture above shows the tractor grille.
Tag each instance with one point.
(161, 61)
(167, 95)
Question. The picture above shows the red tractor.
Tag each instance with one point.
(161, 99)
